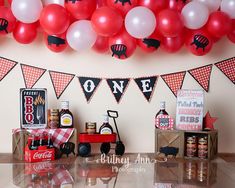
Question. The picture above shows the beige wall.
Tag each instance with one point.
(136, 120)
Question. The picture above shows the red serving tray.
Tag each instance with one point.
(97, 138)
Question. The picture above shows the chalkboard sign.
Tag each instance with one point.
(164, 122)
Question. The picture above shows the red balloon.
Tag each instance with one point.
(154, 5)
(101, 3)
(219, 24)
(170, 23)
(1, 2)
(81, 9)
(123, 6)
(101, 45)
(7, 20)
(174, 44)
(56, 43)
(231, 35)
(151, 43)
(9, 1)
(122, 45)
(177, 4)
(199, 42)
(54, 19)
(106, 21)
(25, 33)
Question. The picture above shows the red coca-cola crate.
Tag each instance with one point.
(41, 154)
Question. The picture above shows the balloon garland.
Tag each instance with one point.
(119, 26)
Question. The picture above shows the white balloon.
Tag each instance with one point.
(195, 15)
(140, 22)
(26, 11)
(81, 36)
(48, 2)
(228, 6)
(212, 5)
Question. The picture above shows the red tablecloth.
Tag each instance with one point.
(59, 136)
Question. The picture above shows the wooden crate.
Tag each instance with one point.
(171, 138)
(169, 172)
(177, 138)
(200, 173)
(19, 141)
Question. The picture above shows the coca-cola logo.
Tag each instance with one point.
(42, 167)
(42, 155)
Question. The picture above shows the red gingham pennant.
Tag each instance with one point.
(202, 76)
(228, 68)
(60, 81)
(174, 81)
(31, 75)
(6, 65)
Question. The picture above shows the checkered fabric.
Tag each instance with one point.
(31, 75)
(6, 66)
(228, 68)
(174, 81)
(61, 177)
(59, 136)
(202, 76)
(60, 81)
(170, 125)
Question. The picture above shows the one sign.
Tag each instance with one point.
(164, 122)
(189, 111)
(33, 108)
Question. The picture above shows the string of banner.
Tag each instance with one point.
(118, 86)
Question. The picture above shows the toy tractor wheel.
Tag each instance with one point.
(105, 148)
(120, 148)
(84, 149)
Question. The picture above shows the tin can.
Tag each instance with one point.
(191, 147)
(53, 118)
(90, 127)
(202, 147)
(190, 170)
(202, 171)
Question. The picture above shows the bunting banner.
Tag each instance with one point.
(60, 81)
(147, 86)
(174, 81)
(118, 87)
(6, 65)
(31, 75)
(228, 68)
(202, 75)
(89, 85)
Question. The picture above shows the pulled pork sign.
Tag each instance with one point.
(33, 106)
(189, 112)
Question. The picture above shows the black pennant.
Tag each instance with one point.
(146, 85)
(118, 87)
(89, 86)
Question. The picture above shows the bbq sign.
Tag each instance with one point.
(33, 108)
(189, 112)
